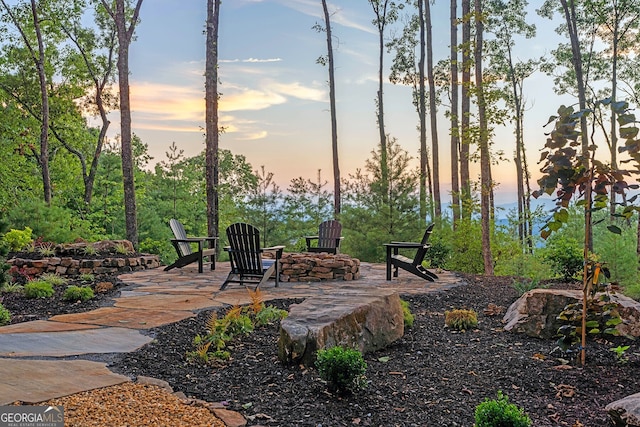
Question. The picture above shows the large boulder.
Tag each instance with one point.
(535, 313)
(359, 317)
(625, 412)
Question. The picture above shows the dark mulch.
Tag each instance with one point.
(433, 376)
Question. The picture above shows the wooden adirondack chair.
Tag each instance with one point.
(186, 254)
(245, 255)
(414, 265)
(328, 238)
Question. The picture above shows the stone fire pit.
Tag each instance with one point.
(316, 267)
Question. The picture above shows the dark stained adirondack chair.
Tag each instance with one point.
(186, 253)
(245, 255)
(414, 265)
(328, 238)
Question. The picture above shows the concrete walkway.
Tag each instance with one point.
(67, 354)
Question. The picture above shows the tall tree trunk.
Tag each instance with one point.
(44, 97)
(614, 88)
(433, 113)
(124, 40)
(422, 108)
(571, 19)
(455, 131)
(465, 176)
(334, 120)
(485, 161)
(211, 113)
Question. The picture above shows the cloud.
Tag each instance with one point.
(250, 60)
(338, 15)
(168, 102)
(297, 90)
(253, 136)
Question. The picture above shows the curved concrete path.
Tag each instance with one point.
(42, 360)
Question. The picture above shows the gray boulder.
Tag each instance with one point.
(359, 317)
(625, 412)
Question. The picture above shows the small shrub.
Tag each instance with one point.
(460, 319)
(78, 293)
(89, 250)
(121, 248)
(5, 316)
(18, 239)
(342, 368)
(525, 285)
(269, 315)
(500, 413)
(438, 254)
(406, 313)
(38, 289)
(11, 287)
(87, 277)
(47, 249)
(566, 256)
(54, 279)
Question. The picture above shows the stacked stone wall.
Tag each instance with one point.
(67, 266)
(316, 267)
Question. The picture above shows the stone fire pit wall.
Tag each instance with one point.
(316, 267)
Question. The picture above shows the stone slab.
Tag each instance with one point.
(178, 302)
(33, 381)
(125, 317)
(43, 326)
(71, 343)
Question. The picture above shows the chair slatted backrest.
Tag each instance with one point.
(179, 233)
(244, 241)
(329, 234)
(422, 251)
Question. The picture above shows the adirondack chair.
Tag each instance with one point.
(414, 265)
(245, 255)
(328, 238)
(186, 253)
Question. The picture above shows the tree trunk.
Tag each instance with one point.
(44, 97)
(211, 113)
(465, 176)
(124, 39)
(422, 108)
(485, 163)
(455, 139)
(433, 113)
(334, 120)
(571, 19)
(614, 88)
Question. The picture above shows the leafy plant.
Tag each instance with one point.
(77, 293)
(38, 289)
(48, 250)
(5, 315)
(500, 413)
(525, 285)
(121, 248)
(89, 250)
(87, 277)
(565, 255)
(409, 318)
(461, 319)
(54, 279)
(18, 239)
(269, 315)
(621, 353)
(11, 287)
(342, 368)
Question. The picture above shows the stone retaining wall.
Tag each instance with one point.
(316, 267)
(69, 266)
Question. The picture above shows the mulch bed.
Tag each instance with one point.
(431, 377)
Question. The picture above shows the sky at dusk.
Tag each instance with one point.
(275, 103)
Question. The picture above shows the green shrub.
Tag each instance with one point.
(466, 255)
(38, 289)
(269, 314)
(500, 413)
(54, 279)
(565, 255)
(407, 315)
(342, 368)
(438, 253)
(18, 239)
(525, 285)
(4, 272)
(528, 266)
(5, 316)
(460, 319)
(87, 277)
(78, 293)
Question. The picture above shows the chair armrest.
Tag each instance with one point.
(277, 249)
(311, 237)
(406, 245)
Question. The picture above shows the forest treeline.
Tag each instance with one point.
(62, 178)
